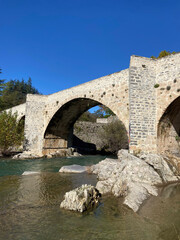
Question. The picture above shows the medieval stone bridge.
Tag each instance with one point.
(145, 97)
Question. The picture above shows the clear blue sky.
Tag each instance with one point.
(60, 44)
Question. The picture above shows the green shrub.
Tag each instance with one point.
(178, 138)
(11, 132)
(156, 85)
(113, 137)
(162, 54)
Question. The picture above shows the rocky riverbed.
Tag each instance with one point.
(134, 178)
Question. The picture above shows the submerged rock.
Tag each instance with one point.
(132, 177)
(73, 169)
(30, 173)
(76, 154)
(80, 199)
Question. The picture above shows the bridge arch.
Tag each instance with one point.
(168, 129)
(59, 131)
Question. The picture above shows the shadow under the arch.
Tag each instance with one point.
(169, 129)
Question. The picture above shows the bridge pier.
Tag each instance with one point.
(142, 98)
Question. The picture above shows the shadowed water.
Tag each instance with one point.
(29, 206)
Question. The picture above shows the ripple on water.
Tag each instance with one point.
(29, 207)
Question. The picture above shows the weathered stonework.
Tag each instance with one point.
(151, 88)
(142, 104)
(20, 110)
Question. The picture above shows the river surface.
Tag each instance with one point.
(29, 206)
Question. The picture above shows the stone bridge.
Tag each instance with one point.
(145, 97)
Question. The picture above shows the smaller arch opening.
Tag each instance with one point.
(169, 129)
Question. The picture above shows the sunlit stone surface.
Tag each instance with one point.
(30, 173)
(81, 199)
(73, 169)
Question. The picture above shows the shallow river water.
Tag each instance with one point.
(29, 206)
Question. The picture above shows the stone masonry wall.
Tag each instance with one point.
(20, 110)
(142, 100)
(168, 78)
(34, 123)
(154, 85)
(111, 91)
(89, 132)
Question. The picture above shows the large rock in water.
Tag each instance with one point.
(162, 167)
(132, 177)
(82, 198)
(73, 169)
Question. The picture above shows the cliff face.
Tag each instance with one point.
(88, 132)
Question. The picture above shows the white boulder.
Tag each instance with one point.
(81, 199)
(73, 169)
(132, 177)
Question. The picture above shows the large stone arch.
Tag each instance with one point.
(168, 129)
(59, 130)
(111, 91)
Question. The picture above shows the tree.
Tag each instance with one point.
(114, 137)
(87, 117)
(11, 132)
(103, 112)
(163, 53)
(1, 83)
(14, 93)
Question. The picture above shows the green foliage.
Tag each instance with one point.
(78, 128)
(114, 137)
(162, 54)
(14, 93)
(11, 132)
(87, 117)
(103, 112)
(178, 138)
(156, 85)
(1, 83)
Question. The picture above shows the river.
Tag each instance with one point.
(29, 206)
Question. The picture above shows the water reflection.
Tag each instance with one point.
(29, 209)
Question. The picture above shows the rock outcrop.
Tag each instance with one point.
(173, 161)
(26, 155)
(80, 199)
(133, 178)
